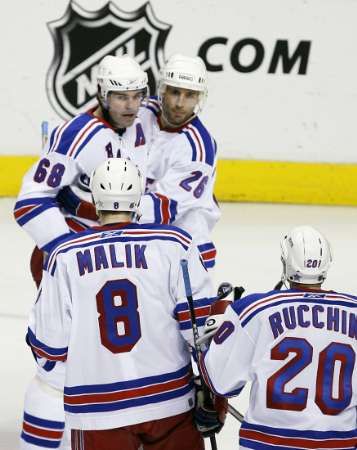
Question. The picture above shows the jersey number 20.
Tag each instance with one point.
(334, 356)
(119, 321)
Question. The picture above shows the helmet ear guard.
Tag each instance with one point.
(117, 185)
(306, 256)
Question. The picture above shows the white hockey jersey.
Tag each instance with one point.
(74, 149)
(113, 306)
(182, 170)
(299, 351)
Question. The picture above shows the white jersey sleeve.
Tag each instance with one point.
(36, 209)
(202, 289)
(240, 348)
(50, 325)
(61, 163)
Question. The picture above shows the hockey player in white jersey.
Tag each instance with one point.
(298, 348)
(113, 306)
(75, 148)
(182, 154)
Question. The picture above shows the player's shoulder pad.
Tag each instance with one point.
(344, 295)
(203, 146)
(72, 136)
(164, 228)
(166, 232)
(151, 105)
(243, 304)
(66, 243)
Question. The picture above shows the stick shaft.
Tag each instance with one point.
(235, 413)
(188, 291)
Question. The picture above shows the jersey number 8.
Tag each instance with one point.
(119, 320)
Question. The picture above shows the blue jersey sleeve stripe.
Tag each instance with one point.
(34, 201)
(193, 146)
(173, 210)
(153, 110)
(70, 133)
(209, 264)
(50, 351)
(88, 138)
(29, 214)
(180, 307)
(205, 247)
(52, 137)
(207, 141)
(40, 442)
(43, 422)
(187, 324)
(157, 208)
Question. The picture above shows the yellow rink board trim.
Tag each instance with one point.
(245, 181)
(287, 182)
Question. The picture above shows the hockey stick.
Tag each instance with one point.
(188, 290)
(235, 413)
(44, 133)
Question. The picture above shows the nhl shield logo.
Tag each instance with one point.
(82, 38)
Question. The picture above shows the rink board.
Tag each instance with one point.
(246, 181)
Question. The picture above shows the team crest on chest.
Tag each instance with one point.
(82, 38)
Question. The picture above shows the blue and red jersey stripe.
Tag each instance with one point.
(202, 310)
(268, 438)
(42, 432)
(128, 394)
(44, 351)
(208, 252)
(25, 210)
(165, 209)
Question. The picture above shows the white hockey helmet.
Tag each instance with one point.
(117, 185)
(306, 256)
(120, 73)
(185, 72)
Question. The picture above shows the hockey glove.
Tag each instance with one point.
(74, 205)
(210, 411)
(214, 320)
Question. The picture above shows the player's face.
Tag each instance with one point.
(123, 107)
(178, 105)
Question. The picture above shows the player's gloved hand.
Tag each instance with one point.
(75, 205)
(214, 320)
(210, 411)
